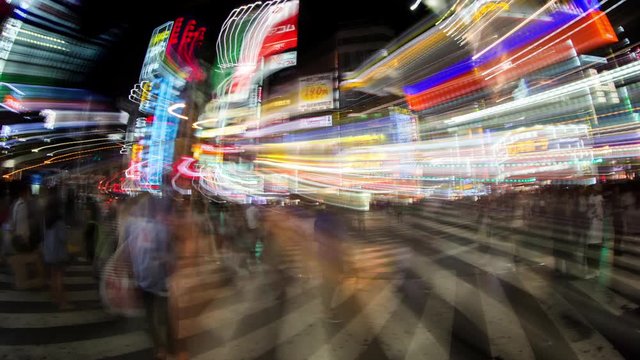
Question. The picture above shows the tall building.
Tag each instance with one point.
(41, 44)
(169, 64)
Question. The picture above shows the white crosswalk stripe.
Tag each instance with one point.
(363, 328)
(44, 296)
(432, 338)
(506, 337)
(593, 346)
(46, 320)
(109, 346)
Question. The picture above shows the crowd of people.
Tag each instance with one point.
(160, 238)
(573, 224)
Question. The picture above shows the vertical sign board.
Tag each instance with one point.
(156, 52)
(150, 91)
(151, 66)
(169, 63)
(161, 140)
(316, 92)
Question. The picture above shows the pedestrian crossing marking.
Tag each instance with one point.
(47, 320)
(44, 296)
(92, 349)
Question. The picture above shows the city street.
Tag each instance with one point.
(423, 288)
(319, 180)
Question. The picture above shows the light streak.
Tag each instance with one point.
(172, 110)
(83, 146)
(7, 176)
(222, 131)
(41, 43)
(13, 88)
(52, 160)
(501, 66)
(70, 142)
(515, 29)
(611, 76)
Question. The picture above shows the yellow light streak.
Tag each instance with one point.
(41, 164)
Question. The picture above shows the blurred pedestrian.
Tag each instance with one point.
(19, 223)
(518, 227)
(563, 247)
(254, 219)
(107, 239)
(360, 219)
(241, 241)
(70, 207)
(91, 231)
(399, 212)
(54, 250)
(5, 218)
(580, 224)
(148, 240)
(622, 202)
(631, 223)
(595, 237)
(223, 229)
(275, 242)
(330, 232)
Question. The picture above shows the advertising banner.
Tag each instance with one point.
(316, 92)
(280, 61)
(302, 124)
(283, 35)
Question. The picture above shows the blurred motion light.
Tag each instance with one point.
(172, 110)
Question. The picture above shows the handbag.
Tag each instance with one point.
(118, 288)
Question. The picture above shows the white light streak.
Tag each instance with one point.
(172, 110)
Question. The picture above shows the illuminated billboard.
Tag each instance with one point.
(316, 92)
(283, 35)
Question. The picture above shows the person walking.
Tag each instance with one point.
(623, 201)
(561, 233)
(595, 237)
(92, 229)
(330, 231)
(518, 228)
(360, 219)
(54, 250)
(148, 239)
(107, 239)
(253, 217)
(19, 224)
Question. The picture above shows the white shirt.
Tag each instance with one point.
(596, 209)
(20, 219)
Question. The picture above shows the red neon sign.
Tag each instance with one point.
(281, 37)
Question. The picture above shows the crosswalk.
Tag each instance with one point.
(427, 288)
(31, 327)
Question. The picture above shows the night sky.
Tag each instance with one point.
(118, 71)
